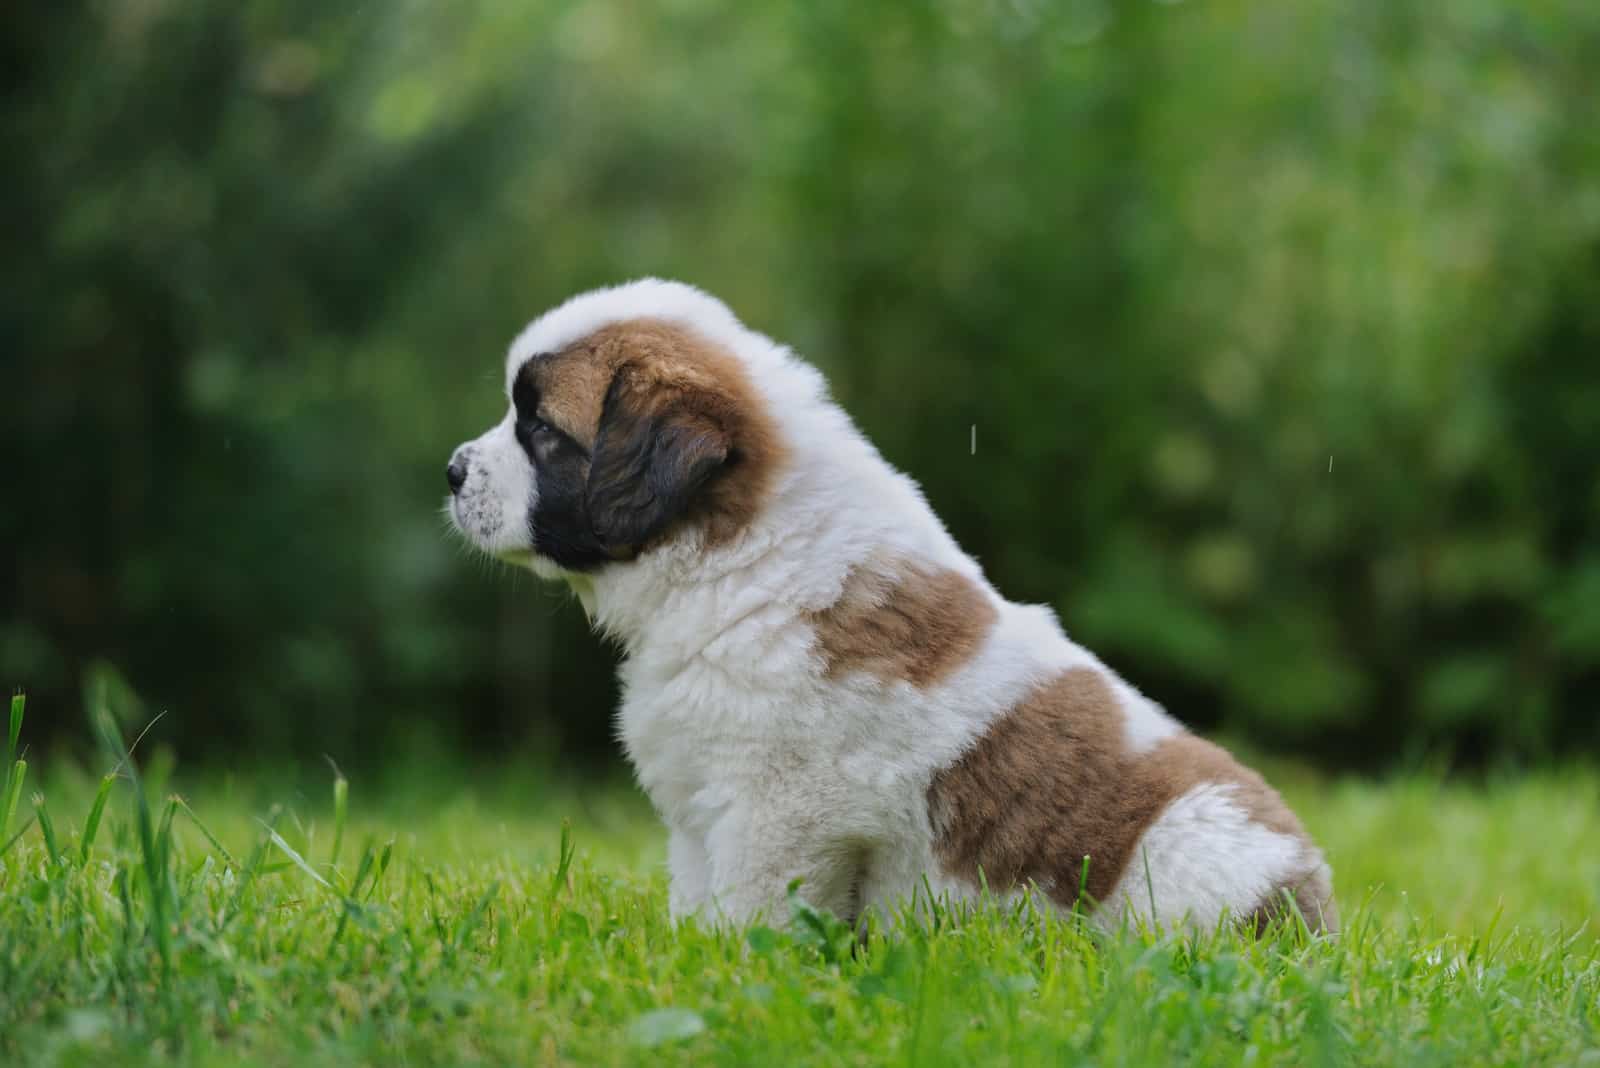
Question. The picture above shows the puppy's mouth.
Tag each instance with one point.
(463, 520)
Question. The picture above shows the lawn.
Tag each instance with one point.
(429, 916)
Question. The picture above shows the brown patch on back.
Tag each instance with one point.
(1046, 785)
(903, 621)
(652, 382)
(1184, 761)
(1053, 781)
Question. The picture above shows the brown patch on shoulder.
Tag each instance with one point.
(677, 431)
(903, 621)
(1053, 781)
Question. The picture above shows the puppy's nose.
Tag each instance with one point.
(456, 474)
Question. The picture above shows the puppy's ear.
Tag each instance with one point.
(657, 447)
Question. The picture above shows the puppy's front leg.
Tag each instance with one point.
(753, 861)
(689, 865)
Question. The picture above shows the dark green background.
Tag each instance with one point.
(1279, 324)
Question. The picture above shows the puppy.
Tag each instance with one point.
(818, 683)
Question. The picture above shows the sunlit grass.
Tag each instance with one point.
(500, 919)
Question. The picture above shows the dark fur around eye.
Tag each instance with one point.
(524, 397)
(560, 522)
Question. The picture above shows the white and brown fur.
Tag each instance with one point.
(818, 683)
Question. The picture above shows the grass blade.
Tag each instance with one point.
(91, 825)
(126, 899)
(164, 834)
(14, 780)
(16, 837)
(1150, 888)
(1079, 908)
(46, 828)
(17, 703)
(341, 806)
(16, 770)
(472, 919)
(300, 862)
(215, 844)
(150, 852)
(352, 905)
(564, 855)
(252, 868)
(369, 854)
(155, 877)
(383, 866)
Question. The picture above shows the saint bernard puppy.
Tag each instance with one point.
(818, 683)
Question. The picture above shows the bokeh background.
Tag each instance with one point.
(1279, 325)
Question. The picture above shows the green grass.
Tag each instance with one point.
(254, 921)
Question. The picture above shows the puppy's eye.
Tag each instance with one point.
(531, 427)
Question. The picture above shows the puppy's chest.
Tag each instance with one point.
(698, 745)
(683, 742)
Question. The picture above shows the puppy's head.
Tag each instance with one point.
(633, 419)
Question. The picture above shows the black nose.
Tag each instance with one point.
(456, 475)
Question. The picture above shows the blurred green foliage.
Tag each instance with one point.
(1278, 325)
